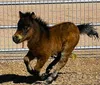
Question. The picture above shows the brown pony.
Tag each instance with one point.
(44, 41)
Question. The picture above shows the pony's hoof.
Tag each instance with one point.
(48, 70)
(51, 78)
(33, 72)
(44, 76)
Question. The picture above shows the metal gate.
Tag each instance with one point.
(52, 11)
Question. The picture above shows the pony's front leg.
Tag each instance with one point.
(27, 60)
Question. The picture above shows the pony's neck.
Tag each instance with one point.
(35, 35)
(44, 29)
(40, 32)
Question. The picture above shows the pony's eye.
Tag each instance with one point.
(26, 27)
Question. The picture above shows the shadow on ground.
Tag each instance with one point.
(18, 79)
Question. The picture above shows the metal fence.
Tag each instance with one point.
(52, 11)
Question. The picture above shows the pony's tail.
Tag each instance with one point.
(88, 29)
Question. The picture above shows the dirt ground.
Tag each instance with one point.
(84, 70)
(81, 71)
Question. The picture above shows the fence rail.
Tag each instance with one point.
(13, 27)
(26, 49)
(48, 2)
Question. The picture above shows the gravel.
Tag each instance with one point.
(81, 71)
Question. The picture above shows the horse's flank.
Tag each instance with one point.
(58, 36)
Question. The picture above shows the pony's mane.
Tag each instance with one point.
(43, 25)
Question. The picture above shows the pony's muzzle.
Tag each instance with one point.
(16, 38)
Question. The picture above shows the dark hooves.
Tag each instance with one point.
(35, 74)
(51, 78)
(44, 76)
(48, 70)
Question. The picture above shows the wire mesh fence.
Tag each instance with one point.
(53, 12)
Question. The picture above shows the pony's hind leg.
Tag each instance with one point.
(48, 69)
(54, 62)
(63, 60)
(27, 60)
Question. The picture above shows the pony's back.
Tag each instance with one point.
(64, 32)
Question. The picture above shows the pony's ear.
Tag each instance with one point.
(33, 15)
(20, 14)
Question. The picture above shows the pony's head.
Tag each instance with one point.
(30, 27)
(24, 27)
